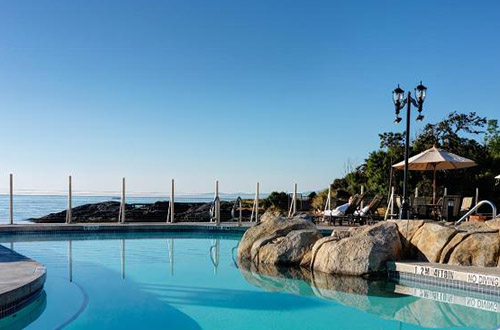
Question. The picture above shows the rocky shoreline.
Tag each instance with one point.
(155, 212)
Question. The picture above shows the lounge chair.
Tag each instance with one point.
(370, 213)
(349, 212)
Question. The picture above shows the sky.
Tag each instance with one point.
(279, 92)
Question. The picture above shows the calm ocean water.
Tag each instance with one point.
(34, 206)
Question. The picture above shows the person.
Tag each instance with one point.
(339, 210)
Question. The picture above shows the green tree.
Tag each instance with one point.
(492, 138)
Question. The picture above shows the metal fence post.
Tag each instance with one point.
(11, 199)
(172, 201)
(217, 203)
(121, 214)
(257, 203)
(70, 202)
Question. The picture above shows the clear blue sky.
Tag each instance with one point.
(275, 91)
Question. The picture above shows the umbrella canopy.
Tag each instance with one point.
(435, 159)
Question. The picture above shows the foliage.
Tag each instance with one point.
(492, 139)
(277, 201)
(457, 133)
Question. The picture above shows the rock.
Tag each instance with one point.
(475, 227)
(339, 234)
(287, 250)
(407, 229)
(269, 231)
(477, 250)
(493, 223)
(269, 215)
(448, 249)
(429, 241)
(364, 253)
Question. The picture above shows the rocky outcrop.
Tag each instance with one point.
(279, 240)
(154, 212)
(467, 244)
(364, 251)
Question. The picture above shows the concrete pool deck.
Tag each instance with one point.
(21, 281)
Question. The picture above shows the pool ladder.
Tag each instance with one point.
(478, 205)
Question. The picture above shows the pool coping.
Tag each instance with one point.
(61, 228)
(468, 278)
(21, 281)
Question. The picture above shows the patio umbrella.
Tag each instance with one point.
(435, 159)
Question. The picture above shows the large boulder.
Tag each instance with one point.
(290, 249)
(279, 240)
(429, 240)
(365, 252)
(480, 249)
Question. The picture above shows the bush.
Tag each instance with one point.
(277, 201)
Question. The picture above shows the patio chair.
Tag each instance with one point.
(420, 208)
(451, 207)
(438, 210)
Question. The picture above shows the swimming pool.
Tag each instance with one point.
(192, 281)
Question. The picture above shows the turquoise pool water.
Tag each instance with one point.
(191, 281)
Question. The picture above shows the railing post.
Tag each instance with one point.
(172, 201)
(217, 203)
(293, 204)
(11, 199)
(240, 218)
(295, 199)
(121, 214)
(70, 202)
(362, 192)
(257, 203)
(392, 202)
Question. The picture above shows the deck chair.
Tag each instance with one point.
(371, 214)
(465, 206)
(348, 215)
(420, 207)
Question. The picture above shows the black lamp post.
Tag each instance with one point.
(400, 102)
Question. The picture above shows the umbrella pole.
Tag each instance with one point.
(434, 187)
